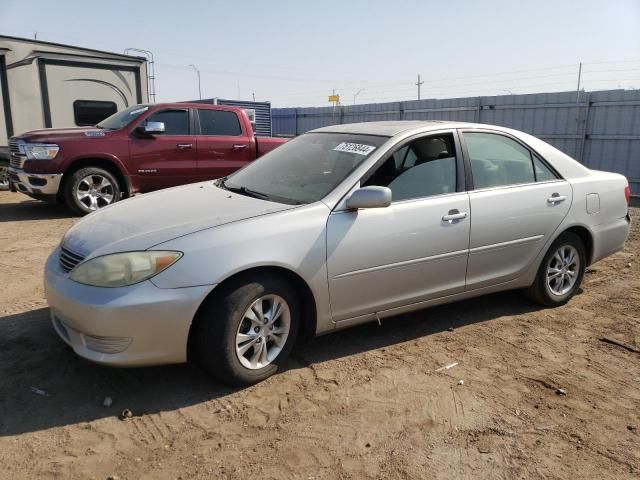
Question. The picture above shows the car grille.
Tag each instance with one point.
(68, 259)
(16, 158)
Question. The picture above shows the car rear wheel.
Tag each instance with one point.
(246, 332)
(561, 271)
(90, 189)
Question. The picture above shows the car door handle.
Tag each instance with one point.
(239, 146)
(185, 146)
(454, 215)
(555, 198)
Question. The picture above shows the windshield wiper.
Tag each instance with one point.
(242, 190)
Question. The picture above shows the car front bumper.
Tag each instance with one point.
(130, 326)
(41, 186)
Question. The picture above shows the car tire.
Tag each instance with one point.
(4, 175)
(234, 343)
(90, 189)
(560, 273)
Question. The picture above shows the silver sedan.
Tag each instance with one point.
(343, 225)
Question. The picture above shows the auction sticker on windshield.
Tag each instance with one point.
(358, 148)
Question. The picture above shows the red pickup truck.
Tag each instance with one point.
(137, 150)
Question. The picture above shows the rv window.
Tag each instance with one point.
(219, 122)
(91, 112)
(176, 122)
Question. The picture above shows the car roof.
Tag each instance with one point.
(391, 128)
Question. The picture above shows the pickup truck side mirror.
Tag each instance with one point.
(370, 197)
(150, 128)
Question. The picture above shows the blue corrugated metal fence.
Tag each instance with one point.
(600, 129)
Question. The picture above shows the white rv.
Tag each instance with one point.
(45, 85)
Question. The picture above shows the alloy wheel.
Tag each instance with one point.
(95, 191)
(263, 332)
(4, 177)
(562, 270)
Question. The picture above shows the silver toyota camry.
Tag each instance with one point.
(340, 226)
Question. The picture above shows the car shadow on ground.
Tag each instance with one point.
(32, 210)
(44, 384)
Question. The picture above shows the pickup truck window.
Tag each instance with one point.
(176, 122)
(123, 118)
(219, 122)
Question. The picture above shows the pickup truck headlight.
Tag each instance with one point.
(36, 151)
(122, 269)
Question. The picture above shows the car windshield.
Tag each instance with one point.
(305, 169)
(123, 117)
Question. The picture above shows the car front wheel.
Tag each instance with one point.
(91, 188)
(246, 332)
(561, 271)
(4, 175)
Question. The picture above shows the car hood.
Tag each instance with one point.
(52, 135)
(143, 221)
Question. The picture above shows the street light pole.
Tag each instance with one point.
(197, 73)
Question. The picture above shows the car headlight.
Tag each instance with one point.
(36, 151)
(122, 269)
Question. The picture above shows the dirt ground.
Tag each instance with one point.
(364, 403)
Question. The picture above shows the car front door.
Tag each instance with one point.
(414, 250)
(517, 201)
(223, 145)
(169, 158)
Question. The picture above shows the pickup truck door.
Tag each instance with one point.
(517, 202)
(224, 144)
(165, 159)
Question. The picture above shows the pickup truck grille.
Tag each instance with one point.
(16, 158)
(68, 259)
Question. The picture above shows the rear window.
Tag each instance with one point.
(219, 122)
(92, 112)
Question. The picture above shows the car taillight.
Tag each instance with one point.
(627, 194)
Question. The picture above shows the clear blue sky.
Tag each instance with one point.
(295, 52)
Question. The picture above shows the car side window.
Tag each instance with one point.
(543, 173)
(421, 168)
(176, 122)
(219, 122)
(497, 160)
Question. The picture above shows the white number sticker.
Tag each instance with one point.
(358, 148)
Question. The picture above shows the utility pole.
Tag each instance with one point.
(355, 95)
(253, 94)
(579, 77)
(197, 73)
(418, 85)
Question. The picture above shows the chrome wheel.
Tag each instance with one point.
(95, 191)
(562, 270)
(263, 332)
(4, 177)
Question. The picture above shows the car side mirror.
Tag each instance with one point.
(370, 197)
(150, 128)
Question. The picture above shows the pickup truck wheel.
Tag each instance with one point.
(246, 333)
(4, 175)
(91, 188)
(560, 272)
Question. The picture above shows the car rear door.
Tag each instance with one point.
(517, 201)
(169, 158)
(224, 145)
(413, 250)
